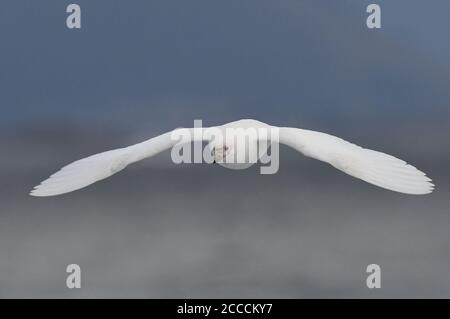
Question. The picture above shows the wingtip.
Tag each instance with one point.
(35, 192)
(428, 188)
(431, 187)
(41, 191)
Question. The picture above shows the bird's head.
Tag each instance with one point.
(235, 148)
(222, 153)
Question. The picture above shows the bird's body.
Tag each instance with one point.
(240, 149)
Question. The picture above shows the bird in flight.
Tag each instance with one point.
(374, 167)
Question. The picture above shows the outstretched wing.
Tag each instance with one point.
(91, 169)
(371, 166)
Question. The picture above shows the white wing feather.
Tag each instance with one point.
(371, 166)
(83, 172)
(91, 169)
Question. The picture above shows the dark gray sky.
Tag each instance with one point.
(156, 64)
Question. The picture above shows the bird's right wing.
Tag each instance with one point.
(371, 166)
(91, 169)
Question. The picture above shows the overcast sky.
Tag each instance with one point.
(159, 64)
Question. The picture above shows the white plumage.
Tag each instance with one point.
(371, 166)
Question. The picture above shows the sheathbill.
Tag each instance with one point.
(374, 167)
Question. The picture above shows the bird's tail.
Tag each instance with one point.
(83, 172)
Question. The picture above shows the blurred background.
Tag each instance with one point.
(140, 68)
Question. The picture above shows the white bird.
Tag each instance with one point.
(374, 167)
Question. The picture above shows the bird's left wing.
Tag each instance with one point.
(91, 169)
(371, 166)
